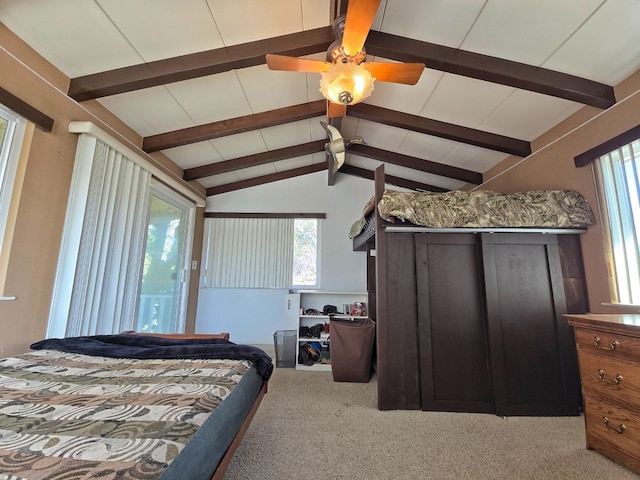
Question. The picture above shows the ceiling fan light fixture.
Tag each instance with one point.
(346, 83)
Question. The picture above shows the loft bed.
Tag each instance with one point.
(128, 406)
(468, 300)
(474, 211)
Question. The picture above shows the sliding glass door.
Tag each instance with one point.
(167, 259)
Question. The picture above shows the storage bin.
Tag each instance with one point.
(351, 349)
(284, 342)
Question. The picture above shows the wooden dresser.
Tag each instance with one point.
(609, 358)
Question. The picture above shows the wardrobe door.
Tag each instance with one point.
(454, 364)
(531, 344)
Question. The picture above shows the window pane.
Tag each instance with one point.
(618, 175)
(305, 251)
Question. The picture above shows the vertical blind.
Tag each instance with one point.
(100, 263)
(248, 252)
(618, 176)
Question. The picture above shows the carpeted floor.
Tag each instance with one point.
(309, 427)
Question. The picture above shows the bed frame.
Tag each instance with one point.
(415, 342)
(221, 469)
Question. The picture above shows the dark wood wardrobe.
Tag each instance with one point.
(472, 322)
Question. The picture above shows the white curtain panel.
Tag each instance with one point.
(248, 252)
(100, 264)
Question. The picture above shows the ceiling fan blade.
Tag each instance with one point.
(407, 73)
(293, 64)
(336, 110)
(360, 15)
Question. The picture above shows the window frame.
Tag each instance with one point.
(11, 163)
(605, 181)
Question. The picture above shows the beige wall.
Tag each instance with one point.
(551, 166)
(40, 216)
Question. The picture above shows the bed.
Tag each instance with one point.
(128, 406)
(468, 291)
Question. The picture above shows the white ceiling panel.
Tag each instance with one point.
(217, 180)
(212, 98)
(149, 111)
(406, 98)
(292, 163)
(268, 89)
(473, 158)
(74, 35)
(164, 31)
(444, 22)
(193, 155)
(474, 100)
(250, 20)
(258, 171)
(529, 33)
(607, 47)
(427, 147)
(315, 14)
(239, 145)
(527, 115)
(381, 136)
(287, 135)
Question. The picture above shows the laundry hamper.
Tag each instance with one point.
(351, 348)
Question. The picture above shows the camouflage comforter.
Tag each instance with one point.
(482, 209)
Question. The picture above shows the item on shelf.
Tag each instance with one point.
(359, 309)
(309, 353)
(312, 332)
(330, 310)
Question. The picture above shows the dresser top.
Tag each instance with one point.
(627, 323)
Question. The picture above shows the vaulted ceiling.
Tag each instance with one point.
(190, 77)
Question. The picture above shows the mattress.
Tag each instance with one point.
(70, 415)
(481, 209)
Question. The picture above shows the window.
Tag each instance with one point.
(305, 252)
(12, 130)
(617, 175)
(260, 251)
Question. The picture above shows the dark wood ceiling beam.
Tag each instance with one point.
(232, 126)
(194, 65)
(274, 177)
(491, 69)
(390, 179)
(40, 119)
(417, 163)
(253, 160)
(436, 128)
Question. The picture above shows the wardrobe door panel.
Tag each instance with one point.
(527, 335)
(454, 364)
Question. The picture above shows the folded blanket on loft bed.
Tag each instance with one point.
(148, 347)
(481, 209)
(168, 414)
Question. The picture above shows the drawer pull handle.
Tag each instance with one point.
(619, 430)
(616, 380)
(612, 345)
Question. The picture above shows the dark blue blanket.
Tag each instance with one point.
(142, 346)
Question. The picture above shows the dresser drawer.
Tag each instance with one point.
(614, 378)
(608, 344)
(613, 431)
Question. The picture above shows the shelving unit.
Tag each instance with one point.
(316, 299)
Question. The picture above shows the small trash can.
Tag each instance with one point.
(351, 349)
(284, 342)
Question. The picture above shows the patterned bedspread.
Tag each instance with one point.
(63, 415)
(482, 209)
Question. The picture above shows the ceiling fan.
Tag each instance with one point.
(346, 77)
(337, 145)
